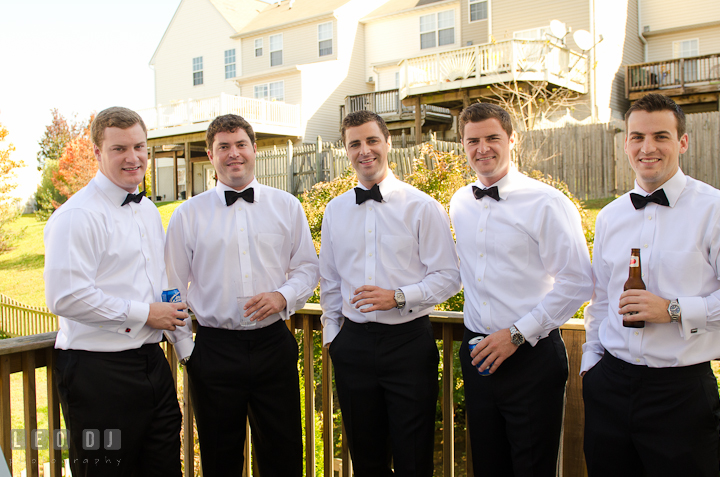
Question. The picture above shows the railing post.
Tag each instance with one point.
(682, 73)
(53, 413)
(320, 173)
(289, 171)
(327, 403)
(30, 404)
(448, 410)
(308, 370)
(478, 63)
(188, 435)
(5, 415)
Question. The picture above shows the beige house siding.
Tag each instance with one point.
(666, 14)
(291, 87)
(182, 42)
(392, 38)
(477, 31)
(660, 47)
(300, 46)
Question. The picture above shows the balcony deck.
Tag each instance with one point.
(194, 115)
(489, 64)
(387, 104)
(25, 354)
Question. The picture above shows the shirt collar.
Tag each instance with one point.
(387, 186)
(116, 194)
(506, 185)
(673, 187)
(220, 189)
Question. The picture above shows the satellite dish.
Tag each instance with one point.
(557, 28)
(583, 39)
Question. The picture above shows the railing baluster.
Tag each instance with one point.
(327, 403)
(307, 324)
(53, 414)
(188, 435)
(448, 384)
(5, 416)
(30, 404)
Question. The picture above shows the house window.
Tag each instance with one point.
(437, 29)
(325, 35)
(532, 33)
(258, 47)
(197, 71)
(276, 46)
(686, 48)
(478, 10)
(230, 63)
(270, 91)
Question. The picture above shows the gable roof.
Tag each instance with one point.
(239, 13)
(289, 12)
(393, 7)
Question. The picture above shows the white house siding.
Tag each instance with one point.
(197, 29)
(666, 14)
(291, 86)
(477, 31)
(300, 46)
(660, 47)
(392, 38)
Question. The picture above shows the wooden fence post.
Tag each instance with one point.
(318, 160)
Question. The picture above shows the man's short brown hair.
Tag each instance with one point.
(115, 117)
(358, 118)
(653, 102)
(477, 112)
(228, 123)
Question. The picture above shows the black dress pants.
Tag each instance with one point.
(642, 421)
(387, 384)
(127, 391)
(236, 375)
(515, 414)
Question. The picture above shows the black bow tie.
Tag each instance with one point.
(133, 198)
(248, 195)
(491, 192)
(640, 201)
(361, 195)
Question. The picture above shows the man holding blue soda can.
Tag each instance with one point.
(526, 270)
(104, 275)
(242, 255)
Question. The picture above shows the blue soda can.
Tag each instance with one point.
(471, 346)
(171, 296)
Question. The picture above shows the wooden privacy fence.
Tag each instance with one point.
(17, 319)
(589, 158)
(25, 354)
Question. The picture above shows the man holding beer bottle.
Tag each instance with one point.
(525, 266)
(651, 399)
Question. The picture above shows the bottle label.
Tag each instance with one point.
(634, 262)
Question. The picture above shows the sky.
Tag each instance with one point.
(78, 56)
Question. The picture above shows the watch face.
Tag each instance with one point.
(675, 309)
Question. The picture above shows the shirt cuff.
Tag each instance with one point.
(184, 347)
(693, 316)
(136, 319)
(589, 359)
(290, 301)
(413, 298)
(331, 330)
(530, 329)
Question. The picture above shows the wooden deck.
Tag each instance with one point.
(25, 354)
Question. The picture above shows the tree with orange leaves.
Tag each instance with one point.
(77, 165)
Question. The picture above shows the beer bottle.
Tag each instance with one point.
(634, 282)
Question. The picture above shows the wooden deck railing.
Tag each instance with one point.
(18, 319)
(680, 73)
(25, 354)
(385, 102)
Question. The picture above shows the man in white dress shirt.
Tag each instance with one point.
(104, 275)
(246, 251)
(387, 258)
(651, 399)
(525, 267)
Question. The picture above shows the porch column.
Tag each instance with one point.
(418, 122)
(175, 176)
(188, 172)
(153, 188)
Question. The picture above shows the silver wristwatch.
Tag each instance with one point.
(674, 311)
(185, 360)
(400, 299)
(516, 337)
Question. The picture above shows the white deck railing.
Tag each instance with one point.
(255, 111)
(512, 60)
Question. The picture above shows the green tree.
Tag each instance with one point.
(8, 206)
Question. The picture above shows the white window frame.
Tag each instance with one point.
(197, 69)
(258, 47)
(273, 56)
(265, 91)
(323, 39)
(432, 26)
(678, 48)
(477, 2)
(230, 64)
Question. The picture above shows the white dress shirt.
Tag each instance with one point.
(523, 259)
(680, 258)
(103, 267)
(402, 242)
(225, 253)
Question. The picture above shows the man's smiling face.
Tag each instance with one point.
(367, 150)
(122, 157)
(233, 156)
(487, 147)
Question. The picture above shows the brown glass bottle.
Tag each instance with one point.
(634, 282)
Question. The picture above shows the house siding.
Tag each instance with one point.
(660, 47)
(477, 31)
(183, 41)
(664, 14)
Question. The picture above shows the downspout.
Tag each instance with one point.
(640, 34)
(489, 19)
(593, 92)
